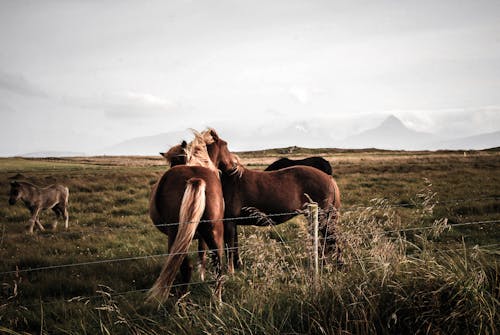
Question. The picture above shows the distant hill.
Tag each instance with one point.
(148, 145)
(390, 134)
(478, 142)
(52, 154)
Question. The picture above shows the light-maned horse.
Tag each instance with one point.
(275, 192)
(176, 155)
(315, 161)
(188, 200)
(37, 199)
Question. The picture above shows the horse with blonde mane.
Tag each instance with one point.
(266, 193)
(187, 200)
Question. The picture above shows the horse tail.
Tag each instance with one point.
(336, 197)
(190, 213)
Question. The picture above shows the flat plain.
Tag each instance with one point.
(418, 230)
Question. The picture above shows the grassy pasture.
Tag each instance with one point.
(443, 279)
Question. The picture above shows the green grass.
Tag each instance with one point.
(442, 280)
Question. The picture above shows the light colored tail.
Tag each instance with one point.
(336, 202)
(66, 215)
(191, 211)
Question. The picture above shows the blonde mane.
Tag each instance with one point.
(239, 168)
(197, 153)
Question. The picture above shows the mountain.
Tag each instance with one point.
(390, 134)
(148, 145)
(39, 154)
(303, 134)
(478, 142)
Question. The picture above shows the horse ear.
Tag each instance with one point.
(163, 154)
(214, 134)
(184, 144)
(14, 183)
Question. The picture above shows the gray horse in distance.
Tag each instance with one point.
(37, 199)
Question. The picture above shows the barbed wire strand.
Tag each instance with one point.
(103, 294)
(225, 249)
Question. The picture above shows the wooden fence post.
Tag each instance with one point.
(313, 219)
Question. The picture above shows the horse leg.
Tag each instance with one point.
(65, 216)
(58, 213)
(186, 273)
(34, 220)
(238, 263)
(202, 259)
(215, 241)
(229, 238)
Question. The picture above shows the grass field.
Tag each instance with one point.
(419, 233)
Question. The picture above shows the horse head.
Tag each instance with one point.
(219, 153)
(176, 155)
(15, 192)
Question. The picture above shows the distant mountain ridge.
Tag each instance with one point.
(148, 145)
(390, 134)
(39, 154)
(477, 142)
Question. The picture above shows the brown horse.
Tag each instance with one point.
(188, 200)
(274, 192)
(37, 199)
(176, 155)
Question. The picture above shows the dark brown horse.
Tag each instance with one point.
(316, 162)
(188, 200)
(37, 199)
(274, 192)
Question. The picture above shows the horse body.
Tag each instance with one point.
(316, 162)
(280, 191)
(36, 199)
(187, 195)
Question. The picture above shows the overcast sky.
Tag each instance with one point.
(79, 75)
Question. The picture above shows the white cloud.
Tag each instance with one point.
(17, 83)
(120, 105)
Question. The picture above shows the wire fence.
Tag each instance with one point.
(492, 247)
(142, 257)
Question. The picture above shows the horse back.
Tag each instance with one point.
(53, 195)
(286, 189)
(319, 163)
(167, 198)
(279, 164)
(316, 162)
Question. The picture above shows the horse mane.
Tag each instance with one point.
(197, 153)
(26, 183)
(239, 168)
(210, 136)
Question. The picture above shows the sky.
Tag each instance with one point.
(83, 75)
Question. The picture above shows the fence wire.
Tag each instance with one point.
(132, 258)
